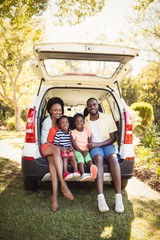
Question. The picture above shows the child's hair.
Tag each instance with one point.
(77, 115)
(61, 117)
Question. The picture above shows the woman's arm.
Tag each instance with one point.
(46, 125)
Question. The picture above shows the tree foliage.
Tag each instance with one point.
(146, 28)
(31, 8)
(144, 87)
(141, 5)
(73, 12)
(131, 90)
(150, 88)
(18, 32)
(145, 112)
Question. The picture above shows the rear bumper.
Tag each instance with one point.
(33, 169)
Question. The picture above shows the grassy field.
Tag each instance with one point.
(26, 215)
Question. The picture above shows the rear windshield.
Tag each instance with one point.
(59, 66)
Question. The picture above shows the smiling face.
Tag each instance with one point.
(79, 122)
(56, 111)
(64, 124)
(92, 106)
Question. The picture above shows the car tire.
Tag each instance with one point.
(30, 184)
(124, 183)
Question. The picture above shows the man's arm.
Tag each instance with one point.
(109, 141)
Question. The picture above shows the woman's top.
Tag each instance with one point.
(48, 132)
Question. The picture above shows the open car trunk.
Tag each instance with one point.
(75, 102)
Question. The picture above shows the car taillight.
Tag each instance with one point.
(30, 126)
(128, 137)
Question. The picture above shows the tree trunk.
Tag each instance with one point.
(17, 118)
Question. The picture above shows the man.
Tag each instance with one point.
(103, 129)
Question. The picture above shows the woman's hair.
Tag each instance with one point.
(77, 115)
(53, 101)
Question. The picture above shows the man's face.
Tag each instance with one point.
(92, 106)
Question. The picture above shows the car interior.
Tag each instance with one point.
(75, 102)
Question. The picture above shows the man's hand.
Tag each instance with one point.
(92, 145)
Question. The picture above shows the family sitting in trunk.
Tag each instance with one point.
(91, 140)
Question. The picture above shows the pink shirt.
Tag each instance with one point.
(81, 138)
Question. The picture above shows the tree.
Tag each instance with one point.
(36, 7)
(131, 90)
(150, 84)
(147, 27)
(141, 5)
(144, 87)
(19, 30)
(73, 12)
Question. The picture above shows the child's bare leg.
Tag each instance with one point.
(81, 167)
(73, 163)
(89, 163)
(65, 164)
(76, 173)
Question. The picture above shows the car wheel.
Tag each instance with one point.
(30, 184)
(124, 183)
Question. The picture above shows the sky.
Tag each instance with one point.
(110, 22)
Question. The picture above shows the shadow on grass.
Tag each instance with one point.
(25, 215)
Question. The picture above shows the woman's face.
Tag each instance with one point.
(56, 111)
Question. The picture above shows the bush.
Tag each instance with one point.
(6, 111)
(144, 155)
(145, 112)
(11, 123)
(149, 137)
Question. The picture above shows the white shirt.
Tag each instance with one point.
(95, 129)
(106, 125)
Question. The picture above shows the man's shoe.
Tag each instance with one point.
(102, 205)
(119, 208)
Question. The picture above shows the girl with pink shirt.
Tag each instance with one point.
(81, 136)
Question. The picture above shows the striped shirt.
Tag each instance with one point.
(62, 139)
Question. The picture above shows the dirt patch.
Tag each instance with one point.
(148, 176)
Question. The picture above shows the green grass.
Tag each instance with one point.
(9, 135)
(27, 216)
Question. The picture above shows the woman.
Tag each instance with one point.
(55, 108)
